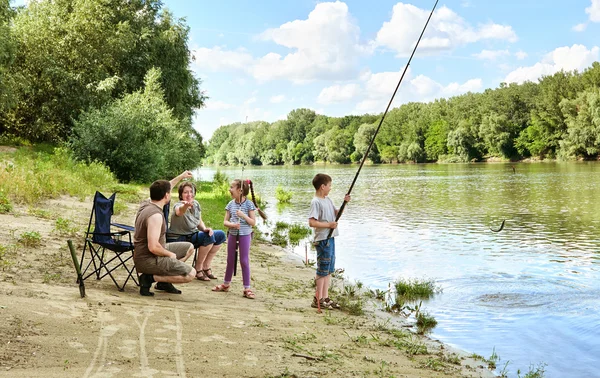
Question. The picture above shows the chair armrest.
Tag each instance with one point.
(123, 226)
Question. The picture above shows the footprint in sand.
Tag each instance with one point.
(129, 349)
(78, 347)
(225, 361)
(251, 360)
(219, 338)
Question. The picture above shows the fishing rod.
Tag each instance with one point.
(341, 210)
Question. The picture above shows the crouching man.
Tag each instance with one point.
(157, 260)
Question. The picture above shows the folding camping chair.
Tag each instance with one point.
(101, 243)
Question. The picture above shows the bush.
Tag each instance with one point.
(138, 137)
(282, 195)
(5, 205)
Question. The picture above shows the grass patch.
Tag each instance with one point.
(40, 213)
(30, 239)
(5, 205)
(534, 371)
(412, 290)
(425, 323)
(43, 172)
(282, 195)
(285, 234)
(64, 226)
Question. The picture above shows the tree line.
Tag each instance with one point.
(556, 118)
(108, 78)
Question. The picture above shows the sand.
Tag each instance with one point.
(48, 330)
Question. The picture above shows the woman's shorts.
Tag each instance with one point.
(325, 257)
(202, 239)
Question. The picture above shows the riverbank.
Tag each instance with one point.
(48, 330)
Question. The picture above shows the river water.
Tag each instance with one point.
(531, 292)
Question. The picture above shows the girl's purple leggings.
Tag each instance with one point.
(244, 258)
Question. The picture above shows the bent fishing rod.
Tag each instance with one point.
(341, 210)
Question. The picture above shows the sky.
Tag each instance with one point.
(259, 60)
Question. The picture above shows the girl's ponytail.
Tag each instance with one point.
(260, 212)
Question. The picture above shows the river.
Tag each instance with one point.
(531, 292)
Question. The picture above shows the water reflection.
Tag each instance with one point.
(530, 291)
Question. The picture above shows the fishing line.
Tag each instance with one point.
(341, 210)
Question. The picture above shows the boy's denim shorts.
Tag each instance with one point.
(325, 257)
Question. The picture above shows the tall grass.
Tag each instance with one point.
(213, 197)
(33, 174)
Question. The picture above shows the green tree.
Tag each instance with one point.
(362, 139)
(7, 53)
(436, 140)
(137, 137)
(74, 55)
(582, 117)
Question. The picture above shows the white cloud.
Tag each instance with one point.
(594, 11)
(338, 93)
(576, 57)
(491, 54)
(324, 46)
(445, 31)
(380, 86)
(217, 59)
(218, 105)
(579, 27)
(521, 55)
(277, 99)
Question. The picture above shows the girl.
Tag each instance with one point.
(239, 219)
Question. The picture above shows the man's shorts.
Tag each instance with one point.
(202, 239)
(167, 266)
(325, 257)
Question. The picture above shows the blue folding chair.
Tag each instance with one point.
(108, 250)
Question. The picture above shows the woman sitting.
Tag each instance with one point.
(187, 225)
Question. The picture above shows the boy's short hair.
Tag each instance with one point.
(159, 189)
(321, 179)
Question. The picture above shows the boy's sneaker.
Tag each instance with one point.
(332, 304)
(324, 305)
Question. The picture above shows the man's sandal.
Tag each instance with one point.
(249, 294)
(221, 287)
(208, 273)
(202, 276)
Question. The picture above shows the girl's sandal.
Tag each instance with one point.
(249, 294)
(208, 273)
(221, 287)
(202, 276)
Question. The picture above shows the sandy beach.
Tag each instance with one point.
(47, 330)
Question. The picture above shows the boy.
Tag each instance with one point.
(322, 219)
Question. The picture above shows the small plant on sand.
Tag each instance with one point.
(5, 205)
(534, 371)
(64, 226)
(30, 239)
(282, 195)
(425, 323)
(40, 213)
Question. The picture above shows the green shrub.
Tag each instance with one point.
(425, 322)
(137, 136)
(282, 195)
(31, 239)
(5, 205)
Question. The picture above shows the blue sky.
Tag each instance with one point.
(261, 59)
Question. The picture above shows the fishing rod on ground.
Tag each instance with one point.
(341, 210)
